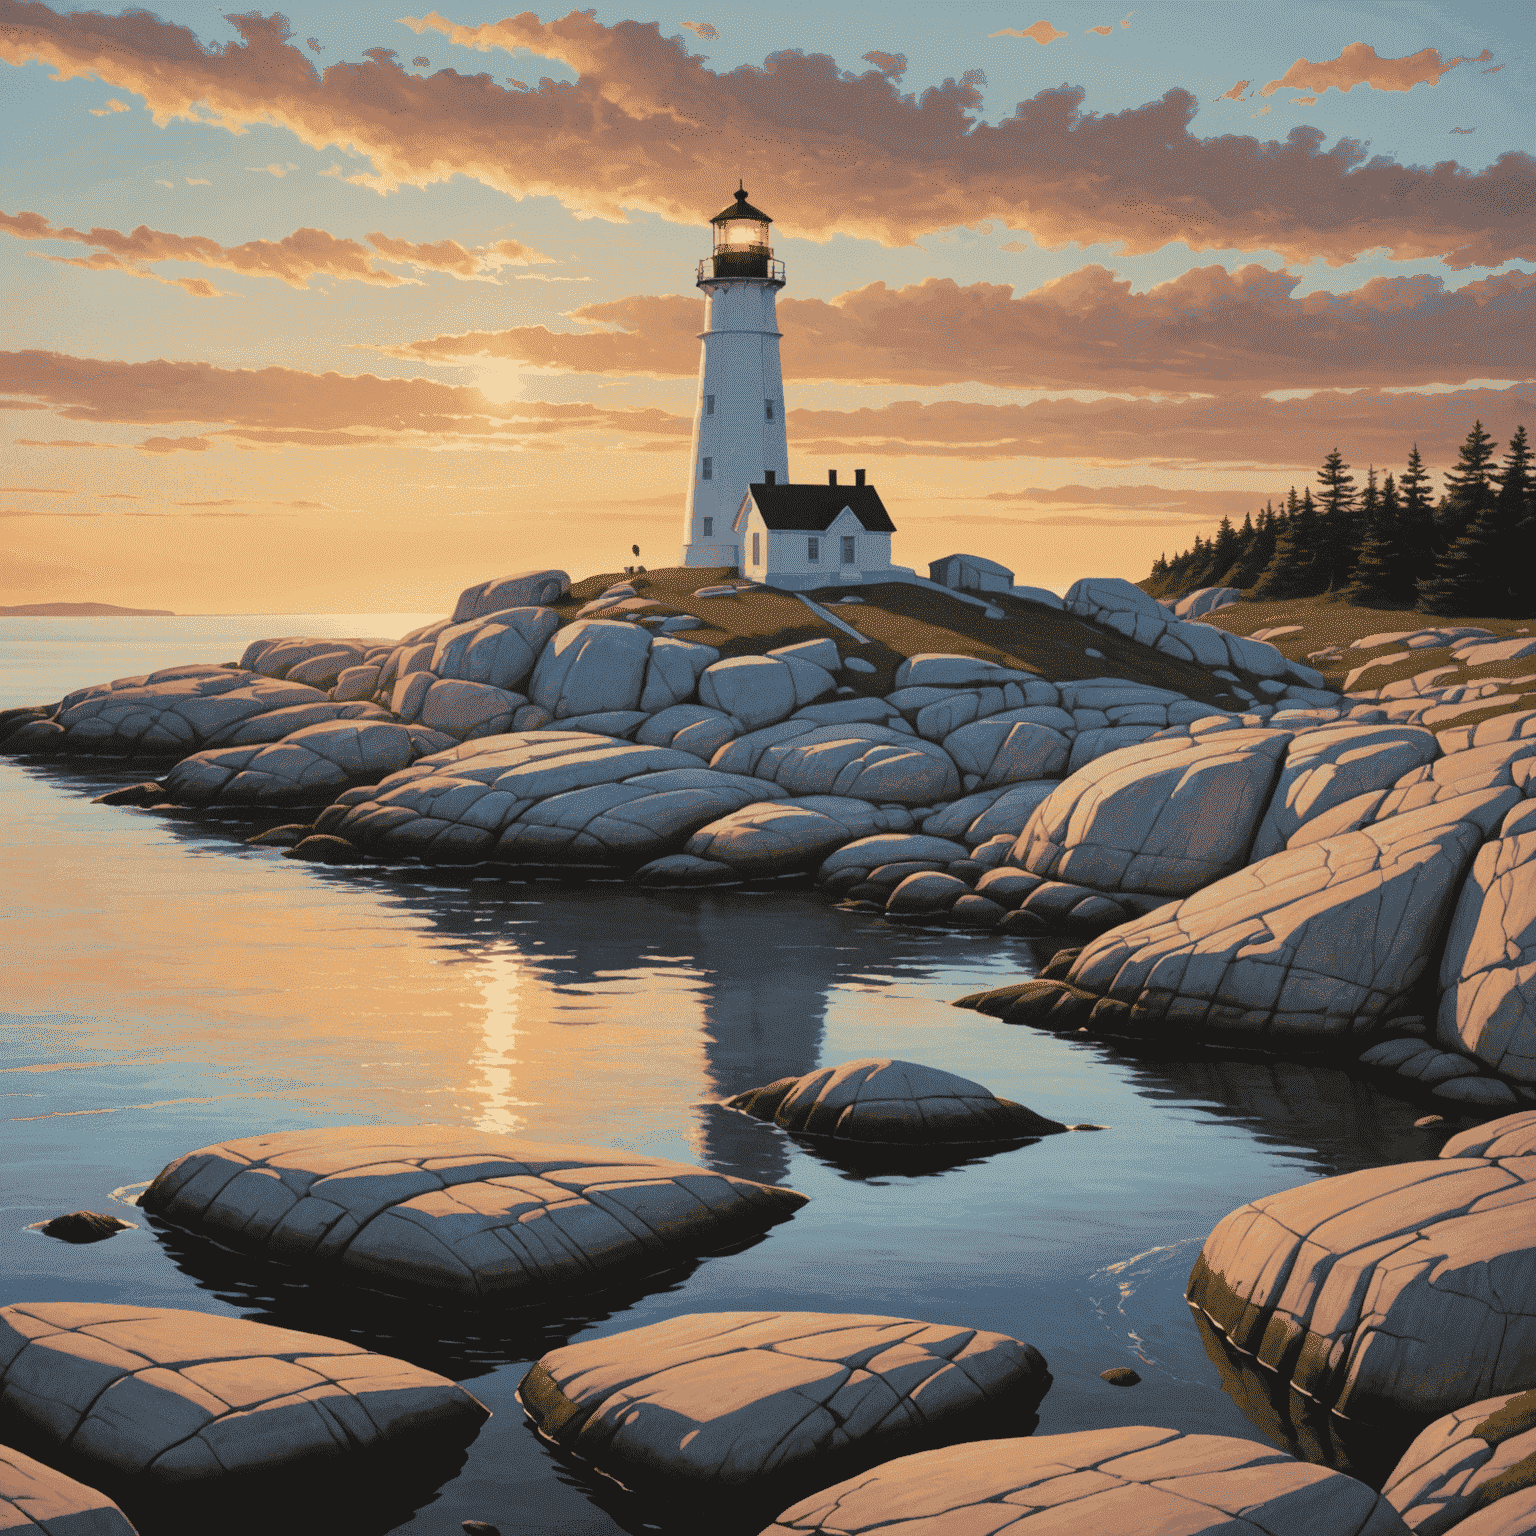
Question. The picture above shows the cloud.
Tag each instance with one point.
(1014, 245)
(892, 65)
(314, 45)
(1207, 331)
(171, 185)
(1263, 111)
(1236, 93)
(60, 442)
(113, 105)
(1359, 64)
(646, 125)
(273, 170)
(270, 407)
(1304, 101)
(1138, 498)
(707, 31)
(1125, 21)
(197, 181)
(1042, 32)
(295, 259)
(117, 496)
(1371, 426)
(1102, 31)
(1463, 130)
(254, 501)
(34, 490)
(1496, 68)
(422, 62)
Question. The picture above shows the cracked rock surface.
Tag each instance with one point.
(1165, 817)
(1409, 1289)
(172, 1397)
(1136, 1481)
(1488, 971)
(35, 1498)
(1513, 1136)
(542, 796)
(1473, 1470)
(457, 1214)
(730, 1397)
(883, 1100)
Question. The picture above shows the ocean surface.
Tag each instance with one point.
(167, 987)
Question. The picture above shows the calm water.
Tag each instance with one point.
(167, 987)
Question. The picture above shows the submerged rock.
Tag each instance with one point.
(883, 1100)
(1108, 1482)
(722, 1400)
(455, 1214)
(1398, 1291)
(84, 1227)
(167, 1398)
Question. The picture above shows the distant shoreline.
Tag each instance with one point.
(85, 611)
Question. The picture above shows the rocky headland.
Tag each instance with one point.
(1226, 841)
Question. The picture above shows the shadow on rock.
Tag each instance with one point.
(453, 1342)
(1300, 1424)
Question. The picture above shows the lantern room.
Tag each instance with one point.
(741, 245)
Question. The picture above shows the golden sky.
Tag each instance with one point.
(351, 320)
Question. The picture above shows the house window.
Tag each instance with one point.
(768, 410)
(849, 557)
(709, 405)
(757, 549)
(708, 471)
(709, 526)
(813, 550)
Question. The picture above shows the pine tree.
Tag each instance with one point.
(1481, 572)
(1339, 532)
(1292, 572)
(1416, 536)
(1382, 578)
(1223, 554)
(1469, 488)
(1259, 551)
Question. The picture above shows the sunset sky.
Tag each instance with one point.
(346, 310)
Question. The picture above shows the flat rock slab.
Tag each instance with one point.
(724, 1399)
(456, 1214)
(886, 1101)
(1513, 1136)
(1405, 1290)
(1137, 1481)
(35, 1498)
(168, 1397)
(1479, 1461)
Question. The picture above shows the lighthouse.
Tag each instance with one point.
(738, 418)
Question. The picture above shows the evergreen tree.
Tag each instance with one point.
(1469, 488)
(1223, 554)
(1416, 536)
(1340, 531)
(1481, 572)
(1382, 577)
(1258, 552)
(1292, 571)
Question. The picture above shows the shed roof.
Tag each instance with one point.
(814, 508)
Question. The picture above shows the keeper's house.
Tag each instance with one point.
(800, 537)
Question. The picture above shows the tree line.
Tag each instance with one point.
(1386, 544)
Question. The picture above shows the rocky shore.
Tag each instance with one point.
(1223, 851)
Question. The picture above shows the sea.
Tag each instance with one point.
(168, 986)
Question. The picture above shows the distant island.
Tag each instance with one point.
(82, 611)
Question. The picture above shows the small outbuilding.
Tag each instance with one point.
(800, 537)
(970, 573)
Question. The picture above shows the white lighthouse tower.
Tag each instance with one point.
(738, 419)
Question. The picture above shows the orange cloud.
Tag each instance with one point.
(707, 31)
(294, 260)
(1208, 330)
(1102, 31)
(647, 125)
(1359, 64)
(272, 406)
(1042, 32)
(1378, 427)
(113, 105)
(1236, 93)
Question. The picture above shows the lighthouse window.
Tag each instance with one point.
(709, 526)
(708, 471)
(813, 550)
(848, 555)
(768, 410)
(709, 405)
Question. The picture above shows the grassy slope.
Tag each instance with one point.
(1326, 622)
(902, 620)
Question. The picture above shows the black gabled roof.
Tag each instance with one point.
(814, 508)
